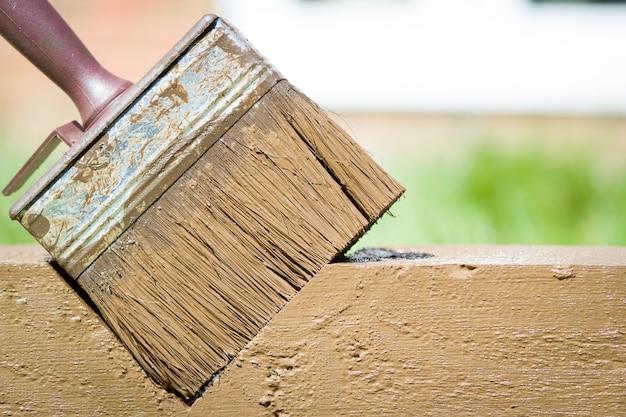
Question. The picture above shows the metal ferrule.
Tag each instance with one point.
(160, 128)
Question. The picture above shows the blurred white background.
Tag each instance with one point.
(495, 56)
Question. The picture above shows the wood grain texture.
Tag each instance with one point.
(192, 281)
(471, 331)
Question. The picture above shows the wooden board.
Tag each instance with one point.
(471, 331)
(57, 358)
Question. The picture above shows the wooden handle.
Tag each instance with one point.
(35, 29)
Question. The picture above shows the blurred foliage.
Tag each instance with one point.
(488, 194)
(11, 159)
(495, 195)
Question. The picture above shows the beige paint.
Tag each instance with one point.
(472, 331)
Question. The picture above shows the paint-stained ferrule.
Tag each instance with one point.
(165, 123)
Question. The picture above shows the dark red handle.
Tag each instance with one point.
(35, 29)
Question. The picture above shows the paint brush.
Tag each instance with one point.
(192, 205)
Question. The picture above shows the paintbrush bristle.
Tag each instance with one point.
(196, 277)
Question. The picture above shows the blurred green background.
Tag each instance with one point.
(493, 194)
(487, 190)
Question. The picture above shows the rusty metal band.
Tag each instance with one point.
(170, 118)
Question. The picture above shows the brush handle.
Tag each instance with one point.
(35, 29)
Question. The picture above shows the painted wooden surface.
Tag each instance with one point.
(471, 331)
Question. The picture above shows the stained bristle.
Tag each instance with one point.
(195, 278)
